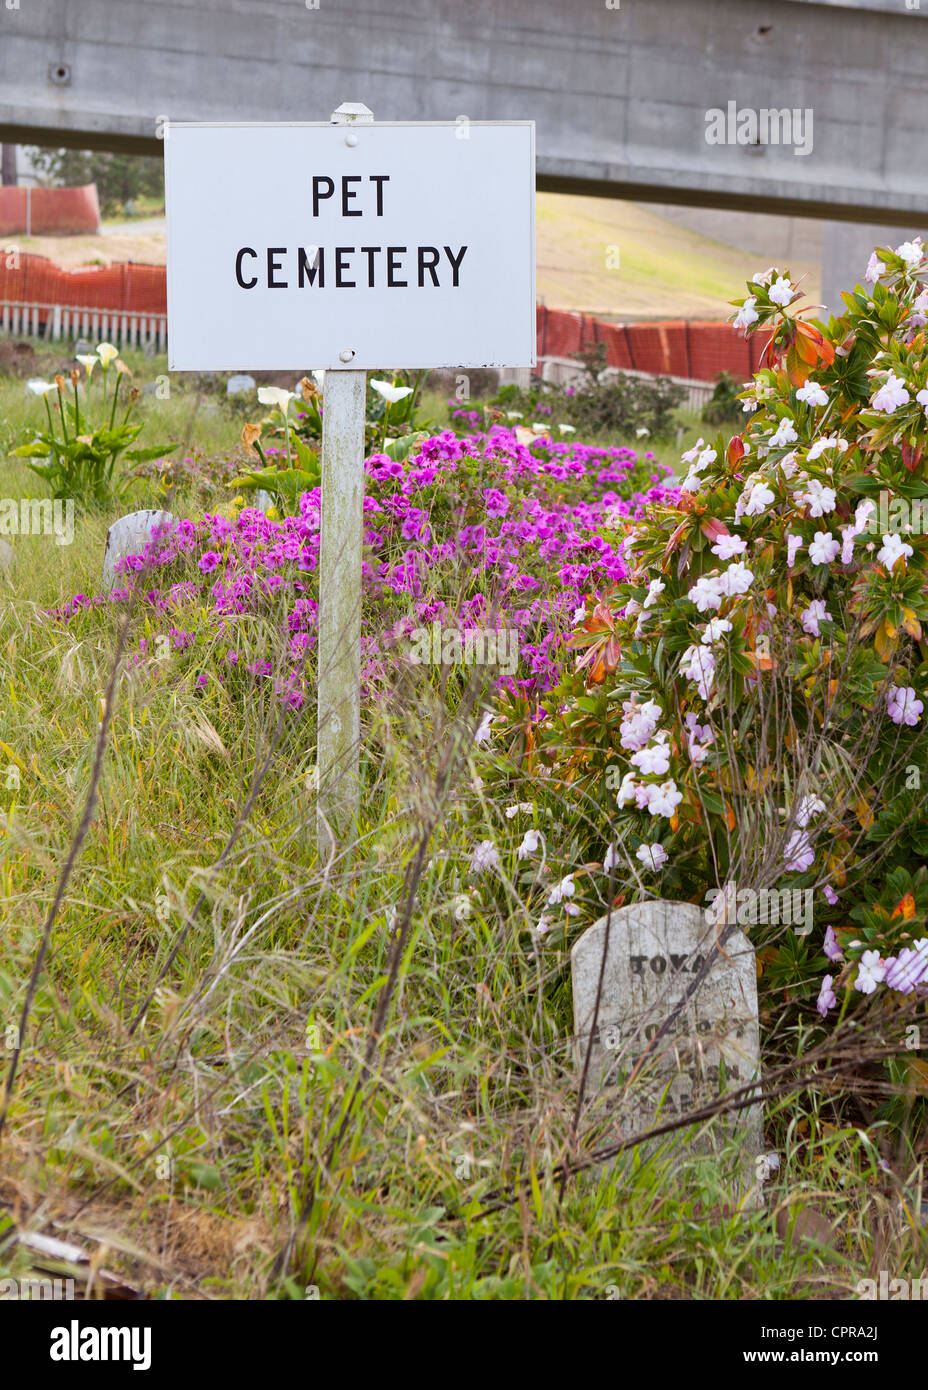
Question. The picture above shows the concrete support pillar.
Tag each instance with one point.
(846, 251)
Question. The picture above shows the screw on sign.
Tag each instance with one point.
(398, 246)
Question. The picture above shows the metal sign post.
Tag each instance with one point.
(341, 537)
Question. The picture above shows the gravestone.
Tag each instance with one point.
(672, 1010)
(239, 383)
(129, 536)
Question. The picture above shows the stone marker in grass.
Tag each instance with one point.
(676, 1021)
(129, 536)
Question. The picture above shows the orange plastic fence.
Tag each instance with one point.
(674, 347)
(123, 286)
(49, 211)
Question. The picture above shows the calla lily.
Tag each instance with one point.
(38, 387)
(88, 362)
(391, 394)
(106, 353)
(276, 395)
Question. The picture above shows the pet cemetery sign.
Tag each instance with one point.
(347, 246)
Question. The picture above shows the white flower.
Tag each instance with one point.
(638, 723)
(812, 394)
(697, 664)
(781, 291)
(38, 387)
(655, 588)
(663, 800)
(793, 544)
(579, 613)
(747, 314)
(652, 856)
(784, 434)
(567, 429)
(727, 547)
(106, 353)
(918, 315)
(612, 860)
(88, 362)
(642, 432)
(922, 398)
(818, 448)
(689, 456)
(763, 277)
(893, 546)
(653, 759)
(276, 395)
(391, 394)
(875, 268)
(813, 615)
(819, 499)
(691, 483)
(912, 252)
(628, 792)
(485, 856)
(891, 395)
(870, 974)
(848, 537)
(483, 733)
(714, 629)
(513, 811)
(513, 415)
(706, 593)
(808, 807)
(737, 579)
(530, 842)
(562, 890)
(461, 907)
(823, 548)
(758, 499)
(862, 514)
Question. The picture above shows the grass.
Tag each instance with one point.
(219, 1085)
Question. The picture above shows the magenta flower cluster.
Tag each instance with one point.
(478, 530)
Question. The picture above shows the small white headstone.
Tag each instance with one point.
(656, 974)
(129, 536)
(239, 383)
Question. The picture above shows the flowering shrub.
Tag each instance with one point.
(747, 705)
(477, 532)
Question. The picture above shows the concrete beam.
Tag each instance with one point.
(620, 96)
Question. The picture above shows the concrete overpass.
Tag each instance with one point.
(620, 89)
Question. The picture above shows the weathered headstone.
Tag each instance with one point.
(239, 383)
(129, 536)
(676, 1022)
(83, 347)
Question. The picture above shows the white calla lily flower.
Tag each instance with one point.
(391, 394)
(38, 387)
(276, 395)
(106, 353)
(88, 362)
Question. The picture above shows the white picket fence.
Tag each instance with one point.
(561, 371)
(70, 321)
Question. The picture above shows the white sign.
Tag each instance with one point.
(369, 246)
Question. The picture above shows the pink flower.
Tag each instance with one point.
(903, 706)
(875, 268)
(793, 544)
(727, 547)
(813, 615)
(832, 949)
(798, 854)
(826, 996)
